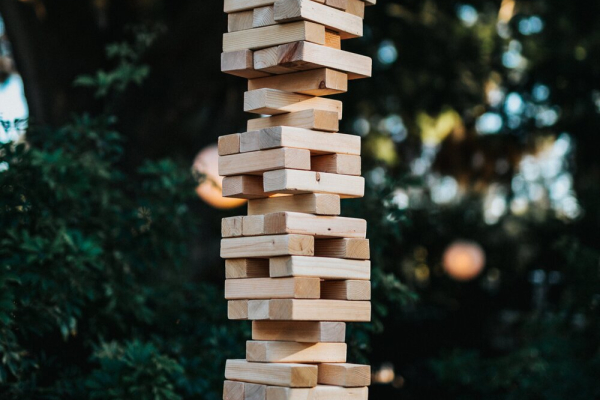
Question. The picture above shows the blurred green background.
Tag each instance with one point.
(483, 184)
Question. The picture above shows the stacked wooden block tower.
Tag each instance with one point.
(294, 267)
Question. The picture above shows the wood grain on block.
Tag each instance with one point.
(258, 309)
(233, 390)
(260, 161)
(266, 61)
(299, 331)
(241, 268)
(304, 55)
(253, 225)
(274, 102)
(319, 267)
(269, 36)
(316, 142)
(288, 375)
(244, 187)
(319, 310)
(313, 203)
(319, 120)
(292, 352)
(356, 7)
(272, 288)
(240, 63)
(333, 39)
(343, 164)
(249, 141)
(240, 21)
(240, 5)
(318, 82)
(321, 392)
(229, 144)
(237, 309)
(343, 248)
(315, 225)
(346, 290)
(348, 25)
(339, 4)
(267, 246)
(263, 16)
(254, 391)
(231, 227)
(346, 375)
(295, 182)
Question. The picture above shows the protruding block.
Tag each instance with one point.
(239, 21)
(315, 225)
(346, 375)
(321, 392)
(241, 268)
(249, 141)
(309, 119)
(237, 309)
(295, 182)
(253, 225)
(233, 390)
(343, 164)
(288, 375)
(286, 352)
(266, 160)
(299, 331)
(319, 310)
(240, 63)
(267, 246)
(269, 36)
(313, 203)
(316, 142)
(320, 267)
(231, 226)
(343, 248)
(346, 290)
(318, 82)
(229, 144)
(244, 187)
(274, 102)
(272, 288)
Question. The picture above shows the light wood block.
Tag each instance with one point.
(346, 290)
(240, 5)
(241, 268)
(272, 288)
(293, 352)
(263, 16)
(229, 144)
(254, 391)
(316, 142)
(339, 4)
(249, 141)
(266, 60)
(274, 102)
(233, 390)
(313, 203)
(299, 331)
(258, 309)
(240, 21)
(288, 375)
(370, 2)
(333, 39)
(237, 309)
(260, 161)
(319, 310)
(231, 227)
(244, 187)
(314, 225)
(295, 182)
(321, 392)
(309, 119)
(346, 375)
(240, 63)
(348, 25)
(356, 7)
(343, 248)
(318, 82)
(319, 267)
(269, 36)
(253, 225)
(267, 246)
(343, 164)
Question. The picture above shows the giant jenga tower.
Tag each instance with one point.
(294, 267)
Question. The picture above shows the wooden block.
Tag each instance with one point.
(295, 182)
(244, 187)
(343, 164)
(321, 392)
(356, 7)
(233, 390)
(263, 16)
(346, 375)
(299, 331)
(319, 310)
(343, 248)
(237, 309)
(274, 102)
(240, 63)
(252, 391)
(253, 225)
(268, 36)
(272, 288)
(293, 352)
(333, 39)
(309, 119)
(266, 60)
(240, 21)
(249, 141)
(240, 5)
(370, 2)
(316, 142)
(288, 375)
(267, 246)
(348, 25)
(260, 161)
(346, 290)
(303, 56)
(231, 227)
(239, 268)
(313, 203)
(314, 225)
(320, 267)
(229, 144)
(258, 309)
(318, 82)
(339, 4)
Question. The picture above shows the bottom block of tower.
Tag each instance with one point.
(292, 352)
(288, 375)
(317, 393)
(347, 375)
(233, 390)
(299, 331)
